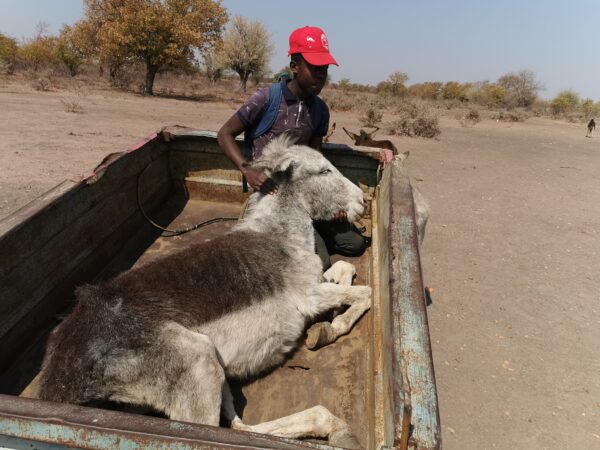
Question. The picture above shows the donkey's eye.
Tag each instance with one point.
(325, 171)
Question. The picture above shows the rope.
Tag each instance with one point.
(183, 230)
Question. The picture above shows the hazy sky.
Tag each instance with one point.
(433, 40)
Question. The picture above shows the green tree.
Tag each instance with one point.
(429, 90)
(161, 34)
(589, 108)
(453, 90)
(394, 85)
(69, 49)
(8, 52)
(565, 102)
(38, 51)
(344, 84)
(247, 49)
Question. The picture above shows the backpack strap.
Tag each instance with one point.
(265, 123)
(316, 112)
(267, 118)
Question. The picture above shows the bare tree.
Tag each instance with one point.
(247, 48)
(213, 63)
(521, 88)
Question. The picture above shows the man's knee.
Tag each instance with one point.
(350, 243)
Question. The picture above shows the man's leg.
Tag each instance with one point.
(321, 250)
(342, 238)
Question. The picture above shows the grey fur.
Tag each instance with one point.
(169, 333)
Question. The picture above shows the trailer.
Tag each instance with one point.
(379, 378)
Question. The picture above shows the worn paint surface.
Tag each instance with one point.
(412, 348)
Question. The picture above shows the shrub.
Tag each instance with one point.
(38, 53)
(42, 83)
(427, 127)
(371, 118)
(453, 90)
(510, 116)
(414, 120)
(565, 102)
(472, 117)
(8, 53)
(67, 51)
(72, 104)
(338, 101)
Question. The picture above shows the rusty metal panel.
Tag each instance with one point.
(414, 389)
(26, 421)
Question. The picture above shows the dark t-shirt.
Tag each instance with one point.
(293, 118)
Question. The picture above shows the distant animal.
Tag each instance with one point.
(366, 139)
(170, 334)
(590, 127)
(421, 206)
(329, 133)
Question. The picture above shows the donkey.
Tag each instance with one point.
(590, 127)
(330, 131)
(422, 209)
(366, 139)
(170, 334)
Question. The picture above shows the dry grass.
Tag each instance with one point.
(414, 118)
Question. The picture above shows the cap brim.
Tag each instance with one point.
(319, 59)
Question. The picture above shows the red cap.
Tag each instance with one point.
(312, 43)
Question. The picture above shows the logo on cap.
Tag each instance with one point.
(324, 41)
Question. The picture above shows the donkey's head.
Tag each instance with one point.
(308, 180)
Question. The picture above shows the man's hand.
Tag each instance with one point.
(260, 182)
(386, 156)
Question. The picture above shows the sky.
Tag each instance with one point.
(430, 40)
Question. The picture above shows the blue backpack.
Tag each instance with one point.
(268, 117)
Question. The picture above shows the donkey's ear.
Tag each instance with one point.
(284, 172)
(271, 165)
(402, 156)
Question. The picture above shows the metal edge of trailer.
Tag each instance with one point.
(414, 392)
(28, 422)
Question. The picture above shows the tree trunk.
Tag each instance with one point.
(150, 74)
(244, 75)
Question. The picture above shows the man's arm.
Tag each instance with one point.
(226, 138)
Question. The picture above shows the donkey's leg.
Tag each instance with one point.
(327, 296)
(315, 422)
(341, 272)
(183, 377)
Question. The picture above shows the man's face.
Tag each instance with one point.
(310, 78)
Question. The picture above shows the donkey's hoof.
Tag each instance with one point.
(318, 335)
(344, 440)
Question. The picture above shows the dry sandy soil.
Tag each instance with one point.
(512, 251)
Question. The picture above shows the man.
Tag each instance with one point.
(304, 117)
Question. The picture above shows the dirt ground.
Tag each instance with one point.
(512, 250)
